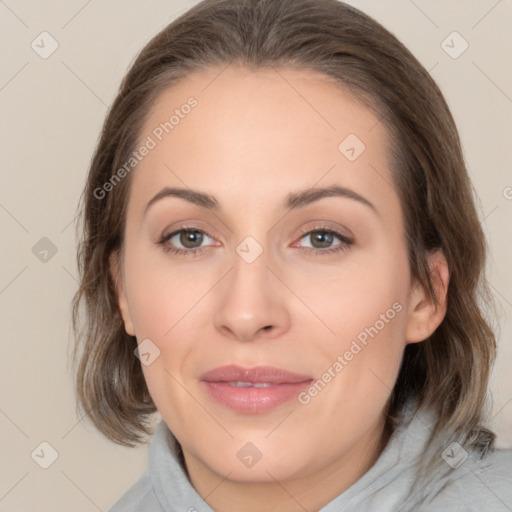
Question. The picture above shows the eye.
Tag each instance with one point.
(187, 241)
(189, 238)
(322, 239)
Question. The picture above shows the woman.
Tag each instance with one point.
(281, 255)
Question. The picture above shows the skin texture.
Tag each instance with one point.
(255, 137)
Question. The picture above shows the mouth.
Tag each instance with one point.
(253, 390)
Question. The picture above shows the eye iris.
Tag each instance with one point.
(323, 237)
(191, 236)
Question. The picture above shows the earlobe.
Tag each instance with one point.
(122, 302)
(425, 315)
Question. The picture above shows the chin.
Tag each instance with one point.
(242, 469)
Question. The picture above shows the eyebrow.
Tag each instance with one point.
(292, 201)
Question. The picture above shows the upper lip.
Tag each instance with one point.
(233, 373)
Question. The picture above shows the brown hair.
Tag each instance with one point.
(450, 370)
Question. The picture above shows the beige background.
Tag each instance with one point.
(52, 111)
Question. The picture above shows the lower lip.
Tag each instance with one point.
(254, 400)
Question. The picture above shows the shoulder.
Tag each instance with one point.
(477, 484)
(140, 497)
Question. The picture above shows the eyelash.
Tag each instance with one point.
(344, 244)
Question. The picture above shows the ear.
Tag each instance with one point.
(425, 315)
(122, 302)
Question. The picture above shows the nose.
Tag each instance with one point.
(252, 301)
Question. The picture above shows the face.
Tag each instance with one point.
(282, 245)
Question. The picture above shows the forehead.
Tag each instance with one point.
(262, 133)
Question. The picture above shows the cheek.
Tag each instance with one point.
(162, 294)
(169, 307)
(369, 337)
(364, 308)
(353, 297)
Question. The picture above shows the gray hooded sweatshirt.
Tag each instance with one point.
(461, 479)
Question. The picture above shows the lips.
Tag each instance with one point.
(259, 374)
(253, 390)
